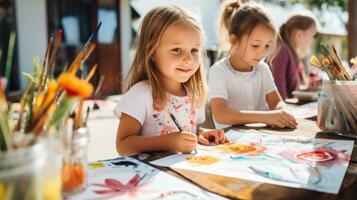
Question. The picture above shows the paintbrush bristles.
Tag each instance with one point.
(85, 52)
(331, 64)
(91, 72)
(44, 66)
(54, 53)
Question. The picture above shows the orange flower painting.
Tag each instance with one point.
(240, 148)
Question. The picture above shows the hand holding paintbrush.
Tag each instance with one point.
(185, 141)
(205, 136)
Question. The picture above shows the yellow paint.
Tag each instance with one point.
(95, 165)
(202, 160)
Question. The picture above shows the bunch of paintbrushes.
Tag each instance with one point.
(337, 109)
(330, 63)
(46, 100)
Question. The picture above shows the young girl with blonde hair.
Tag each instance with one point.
(241, 86)
(165, 90)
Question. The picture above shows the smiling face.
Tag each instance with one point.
(251, 48)
(177, 56)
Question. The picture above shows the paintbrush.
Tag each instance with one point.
(96, 93)
(87, 116)
(54, 53)
(44, 65)
(91, 72)
(178, 126)
(176, 122)
(86, 50)
(10, 54)
(46, 61)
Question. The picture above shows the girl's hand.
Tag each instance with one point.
(184, 141)
(281, 119)
(217, 136)
(314, 81)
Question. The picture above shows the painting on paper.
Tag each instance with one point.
(128, 178)
(315, 164)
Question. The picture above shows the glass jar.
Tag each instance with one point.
(30, 173)
(74, 171)
(337, 106)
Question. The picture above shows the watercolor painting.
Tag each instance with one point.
(315, 164)
(128, 178)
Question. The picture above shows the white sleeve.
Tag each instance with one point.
(134, 102)
(268, 80)
(201, 115)
(217, 83)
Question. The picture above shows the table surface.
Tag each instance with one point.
(243, 189)
(103, 126)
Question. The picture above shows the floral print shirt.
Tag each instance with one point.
(156, 120)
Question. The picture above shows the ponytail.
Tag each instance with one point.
(228, 11)
(297, 21)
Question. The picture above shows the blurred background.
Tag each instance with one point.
(26, 26)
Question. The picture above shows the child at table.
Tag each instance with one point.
(297, 35)
(166, 78)
(241, 86)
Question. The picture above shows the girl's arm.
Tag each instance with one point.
(274, 101)
(129, 142)
(224, 115)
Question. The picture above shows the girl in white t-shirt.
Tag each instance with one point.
(166, 78)
(241, 86)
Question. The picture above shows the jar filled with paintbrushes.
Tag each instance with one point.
(76, 138)
(337, 107)
(29, 169)
(74, 176)
(30, 172)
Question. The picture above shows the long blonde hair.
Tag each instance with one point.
(152, 29)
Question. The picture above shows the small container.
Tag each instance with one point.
(74, 169)
(337, 106)
(30, 173)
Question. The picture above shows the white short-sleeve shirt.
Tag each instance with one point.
(242, 90)
(137, 102)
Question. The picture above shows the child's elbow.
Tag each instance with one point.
(122, 150)
(219, 118)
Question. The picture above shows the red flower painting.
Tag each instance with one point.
(322, 156)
